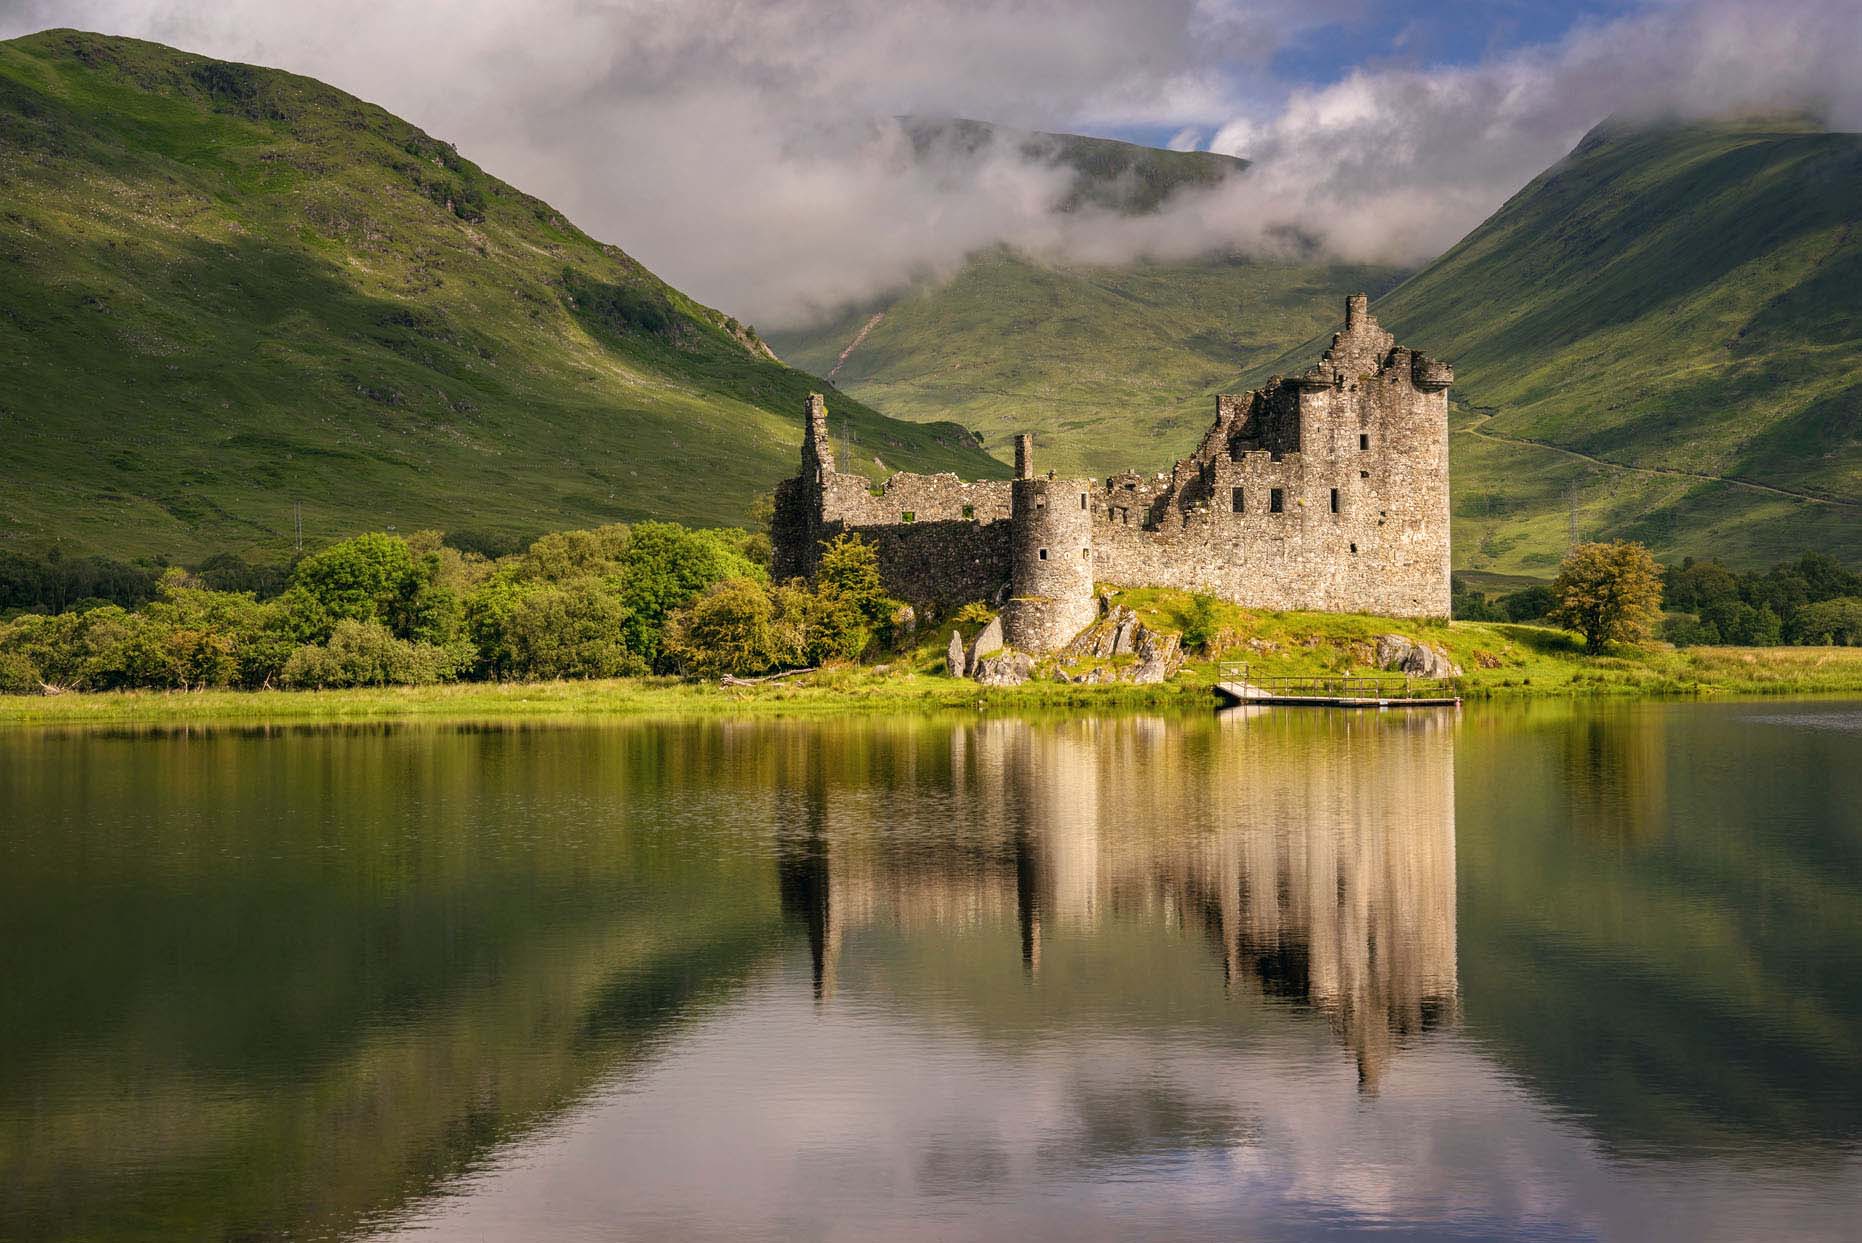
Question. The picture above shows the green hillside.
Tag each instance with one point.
(227, 290)
(1680, 305)
(1115, 367)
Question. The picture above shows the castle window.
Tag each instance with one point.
(1040, 502)
(1235, 499)
(908, 516)
(1082, 500)
(1131, 487)
(1364, 442)
(1276, 502)
(1086, 554)
(1364, 474)
(1354, 548)
(969, 511)
(1334, 500)
(1044, 554)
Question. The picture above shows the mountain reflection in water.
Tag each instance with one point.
(1559, 971)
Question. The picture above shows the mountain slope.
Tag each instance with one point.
(227, 290)
(1115, 367)
(1675, 312)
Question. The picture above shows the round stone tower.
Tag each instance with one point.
(1051, 570)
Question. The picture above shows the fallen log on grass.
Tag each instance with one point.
(731, 679)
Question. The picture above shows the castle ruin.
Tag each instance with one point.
(1327, 490)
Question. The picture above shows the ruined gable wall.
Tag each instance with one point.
(953, 548)
(941, 542)
(941, 557)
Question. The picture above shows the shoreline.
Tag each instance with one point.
(1696, 673)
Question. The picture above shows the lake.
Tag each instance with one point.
(1549, 970)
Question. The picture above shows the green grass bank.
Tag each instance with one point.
(1499, 661)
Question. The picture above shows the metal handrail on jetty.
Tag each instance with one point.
(1237, 685)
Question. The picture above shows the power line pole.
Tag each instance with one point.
(297, 517)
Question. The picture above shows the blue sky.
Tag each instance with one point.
(1376, 35)
(1438, 32)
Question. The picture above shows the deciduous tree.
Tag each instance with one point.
(1609, 593)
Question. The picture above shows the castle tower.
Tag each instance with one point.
(1051, 558)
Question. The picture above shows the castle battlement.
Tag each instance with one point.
(1325, 490)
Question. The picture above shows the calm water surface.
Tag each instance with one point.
(1552, 972)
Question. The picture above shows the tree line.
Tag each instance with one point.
(1809, 601)
(380, 609)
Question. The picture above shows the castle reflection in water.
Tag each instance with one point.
(1314, 852)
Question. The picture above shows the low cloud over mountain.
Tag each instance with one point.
(732, 145)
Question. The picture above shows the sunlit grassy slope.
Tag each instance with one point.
(226, 290)
(1113, 367)
(1683, 304)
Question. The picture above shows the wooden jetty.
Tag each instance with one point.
(1237, 687)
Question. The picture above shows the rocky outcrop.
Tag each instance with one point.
(956, 663)
(1159, 656)
(1120, 633)
(1403, 655)
(1004, 668)
(987, 642)
(1115, 634)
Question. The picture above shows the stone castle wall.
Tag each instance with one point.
(1327, 490)
(942, 542)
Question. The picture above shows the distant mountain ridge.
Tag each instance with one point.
(1115, 176)
(230, 294)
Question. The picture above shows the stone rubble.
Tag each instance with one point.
(1398, 654)
(1004, 668)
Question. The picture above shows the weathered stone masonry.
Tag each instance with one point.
(1326, 490)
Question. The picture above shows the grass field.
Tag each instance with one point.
(227, 292)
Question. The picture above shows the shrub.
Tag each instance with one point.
(363, 653)
(852, 607)
(1684, 631)
(1200, 622)
(372, 577)
(547, 630)
(1527, 604)
(17, 675)
(664, 569)
(1837, 621)
(729, 629)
